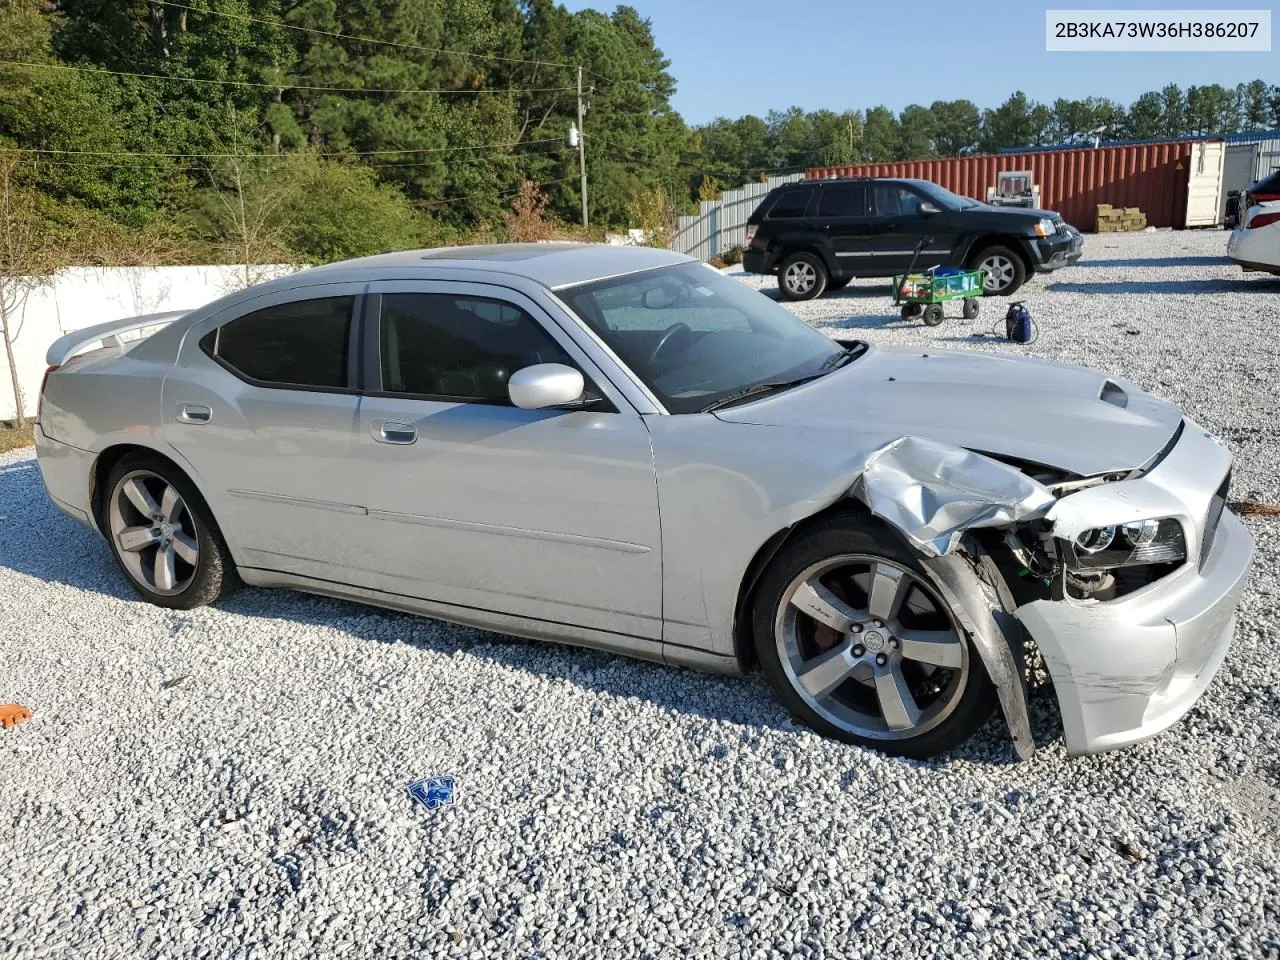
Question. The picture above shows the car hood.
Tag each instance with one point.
(1034, 410)
(1030, 214)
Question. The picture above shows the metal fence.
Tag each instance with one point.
(720, 225)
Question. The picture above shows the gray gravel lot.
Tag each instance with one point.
(230, 782)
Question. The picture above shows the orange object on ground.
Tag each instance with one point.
(12, 714)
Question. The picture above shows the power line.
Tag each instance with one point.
(359, 39)
(276, 86)
(144, 159)
(272, 156)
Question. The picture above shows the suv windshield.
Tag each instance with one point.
(699, 339)
(942, 196)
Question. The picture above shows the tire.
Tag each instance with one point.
(868, 707)
(183, 561)
(933, 315)
(1005, 271)
(971, 307)
(802, 276)
(839, 283)
(911, 310)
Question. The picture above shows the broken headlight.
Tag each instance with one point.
(1128, 545)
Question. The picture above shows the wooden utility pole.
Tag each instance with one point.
(582, 153)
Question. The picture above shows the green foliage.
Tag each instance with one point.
(339, 210)
(161, 166)
(955, 127)
(747, 149)
(653, 211)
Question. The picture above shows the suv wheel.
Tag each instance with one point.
(1005, 270)
(802, 276)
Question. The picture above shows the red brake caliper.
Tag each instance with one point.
(824, 638)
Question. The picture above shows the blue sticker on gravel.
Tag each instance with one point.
(433, 792)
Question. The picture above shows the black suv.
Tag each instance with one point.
(817, 235)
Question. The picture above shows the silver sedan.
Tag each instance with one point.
(624, 449)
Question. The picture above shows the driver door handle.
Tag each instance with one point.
(394, 431)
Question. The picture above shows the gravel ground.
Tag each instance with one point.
(230, 782)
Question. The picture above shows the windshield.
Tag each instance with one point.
(943, 197)
(696, 337)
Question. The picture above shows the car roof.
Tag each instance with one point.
(554, 265)
(802, 184)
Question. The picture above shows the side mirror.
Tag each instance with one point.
(928, 208)
(545, 385)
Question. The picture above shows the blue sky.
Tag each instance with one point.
(751, 56)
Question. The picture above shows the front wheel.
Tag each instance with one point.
(802, 276)
(1005, 271)
(933, 315)
(858, 643)
(971, 308)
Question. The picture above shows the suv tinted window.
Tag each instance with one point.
(790, 203)
(461, 348)
(895, 201)
(299, 344)
(843, 200)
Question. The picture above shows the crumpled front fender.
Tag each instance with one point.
(995, 633)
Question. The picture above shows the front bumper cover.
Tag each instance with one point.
(1128, 668)
(1053, 253)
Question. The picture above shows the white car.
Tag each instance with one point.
(1255, 245)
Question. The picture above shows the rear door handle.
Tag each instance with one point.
(394, 431)
(195, 413)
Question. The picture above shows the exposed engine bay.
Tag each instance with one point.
(936, 493)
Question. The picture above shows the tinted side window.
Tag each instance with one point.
(301, 344)
(844, 200)
(462, 348)
(790, 203)
(894, 201)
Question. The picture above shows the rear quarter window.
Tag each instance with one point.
(300, 344)
(791, 204)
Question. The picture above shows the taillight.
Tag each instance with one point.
(1263, 220)
(40, 399)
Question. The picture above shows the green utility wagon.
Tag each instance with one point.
(923, 294)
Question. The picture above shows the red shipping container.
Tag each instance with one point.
(1150, 176)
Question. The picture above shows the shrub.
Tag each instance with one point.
(335, 211)
(527, 220)
(653, 210)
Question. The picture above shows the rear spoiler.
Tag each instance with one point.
(65, 347)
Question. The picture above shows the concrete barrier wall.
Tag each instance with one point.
(82, 296)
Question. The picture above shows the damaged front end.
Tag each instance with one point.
(1127, 582)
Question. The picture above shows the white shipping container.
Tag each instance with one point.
(1204, 183)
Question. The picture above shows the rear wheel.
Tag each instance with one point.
(1005, 271)
(163, 536)
(802, 276)
(858, 643)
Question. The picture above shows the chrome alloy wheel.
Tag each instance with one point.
(871, 646)
(153, 532)
(999, 273)
(800, 277)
